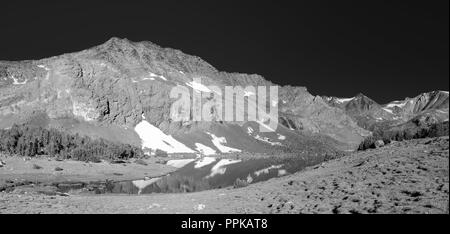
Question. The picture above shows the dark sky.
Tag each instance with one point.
(386, 51)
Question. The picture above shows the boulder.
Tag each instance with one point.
(59, 169)
(379, 144)
(141, 162)
(118, 162)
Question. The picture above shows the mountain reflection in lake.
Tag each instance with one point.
(213, 173)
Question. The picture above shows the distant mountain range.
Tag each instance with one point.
(120, 91)
(370, 115)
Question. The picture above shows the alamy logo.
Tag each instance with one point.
(233, 104)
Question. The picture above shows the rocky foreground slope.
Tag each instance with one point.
(404, 177)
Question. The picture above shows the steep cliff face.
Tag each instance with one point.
(425, 102)
(311, 113)
(110, 90)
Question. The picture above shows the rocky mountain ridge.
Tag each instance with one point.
(370, 115)
(120, 91)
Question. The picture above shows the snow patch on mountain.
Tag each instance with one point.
(153, 75)
(388, 110)
(344, 100)
(267, 140)
(205, 150)
(198, 87)
(148, 78)
(399, 104)
(218, 143)
(153, 138)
